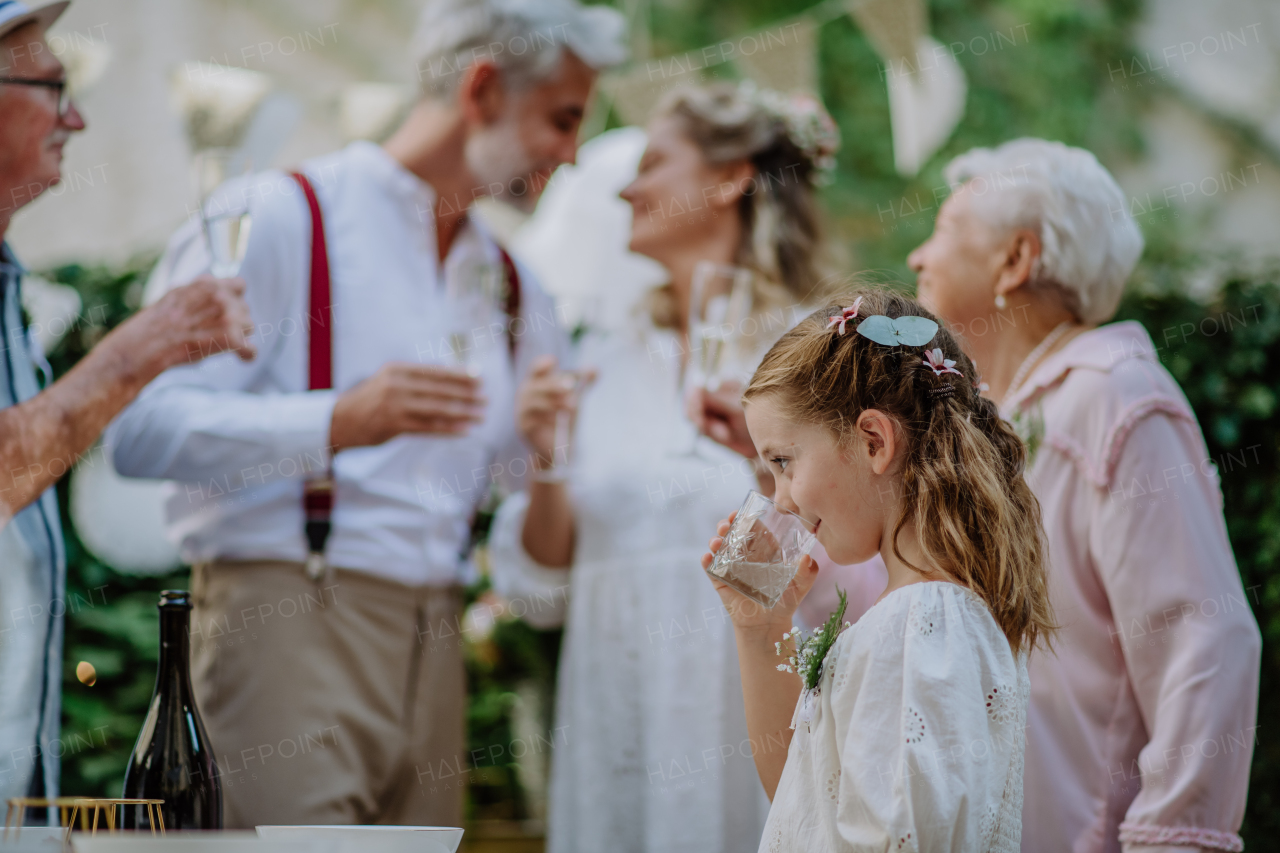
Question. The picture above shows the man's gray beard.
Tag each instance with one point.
(496, 156)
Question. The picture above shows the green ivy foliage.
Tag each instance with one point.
(499, 661)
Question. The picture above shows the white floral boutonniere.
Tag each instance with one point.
(810, 653)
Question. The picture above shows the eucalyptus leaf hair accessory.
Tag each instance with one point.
(907, 329)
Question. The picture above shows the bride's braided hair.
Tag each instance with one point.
(962, 471)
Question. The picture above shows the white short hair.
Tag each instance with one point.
(1089, 244)
(526, 39)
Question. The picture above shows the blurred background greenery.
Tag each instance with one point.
(1060, 88)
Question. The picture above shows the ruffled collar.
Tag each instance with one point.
(1097, 349)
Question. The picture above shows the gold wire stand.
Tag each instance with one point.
(70, 807)
(19, 805)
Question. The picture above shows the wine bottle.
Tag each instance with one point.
(172, 760)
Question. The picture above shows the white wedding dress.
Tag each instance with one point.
(655, 754)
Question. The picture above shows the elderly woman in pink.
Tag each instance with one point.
(1143, 717)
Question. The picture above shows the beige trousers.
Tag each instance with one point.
(332, 702)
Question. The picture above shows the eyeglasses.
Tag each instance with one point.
(58, 86)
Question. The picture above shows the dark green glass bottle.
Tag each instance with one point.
(172, 760)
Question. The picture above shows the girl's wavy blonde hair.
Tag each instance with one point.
(962, 471)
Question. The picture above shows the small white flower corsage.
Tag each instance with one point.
(810, 653)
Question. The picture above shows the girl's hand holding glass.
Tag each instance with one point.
(747, 613)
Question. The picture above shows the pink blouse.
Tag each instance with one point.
(863, 583)
(1142, 719)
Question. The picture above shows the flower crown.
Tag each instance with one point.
(908, 330)
(808, 124)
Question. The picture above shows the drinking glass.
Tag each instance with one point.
(573, 382)
(584, 314)
(226, 222)
(762, 550)
(720, 299)
(474, 291)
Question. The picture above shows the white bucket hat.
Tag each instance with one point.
(14, 14)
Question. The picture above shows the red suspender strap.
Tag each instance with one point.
(512, 306)
(320, 363)
(317, 495)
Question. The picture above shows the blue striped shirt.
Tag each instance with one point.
(32, 582)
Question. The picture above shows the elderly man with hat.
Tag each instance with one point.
(42, 432)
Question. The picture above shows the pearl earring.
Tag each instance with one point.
(1001, 302)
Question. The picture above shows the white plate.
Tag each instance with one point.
(30, 839)
(194, 842)
(374, 839)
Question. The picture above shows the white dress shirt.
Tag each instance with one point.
(240, 438)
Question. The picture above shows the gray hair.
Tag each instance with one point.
(1089, 244)
(526, 39)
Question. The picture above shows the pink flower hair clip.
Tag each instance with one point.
(938, 363)
(850, 313)
(978, 385)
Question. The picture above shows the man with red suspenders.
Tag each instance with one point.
(325, 490)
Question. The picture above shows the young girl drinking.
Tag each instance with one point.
(911, 736)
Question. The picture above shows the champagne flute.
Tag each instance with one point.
(584, 313)
(721, 298)
(474, 288)
(474, 291)
(573, 382)
(226, 224)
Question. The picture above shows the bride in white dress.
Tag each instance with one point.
(655, 754)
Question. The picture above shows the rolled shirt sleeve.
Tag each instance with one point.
(188, 429)
(1188, 638)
